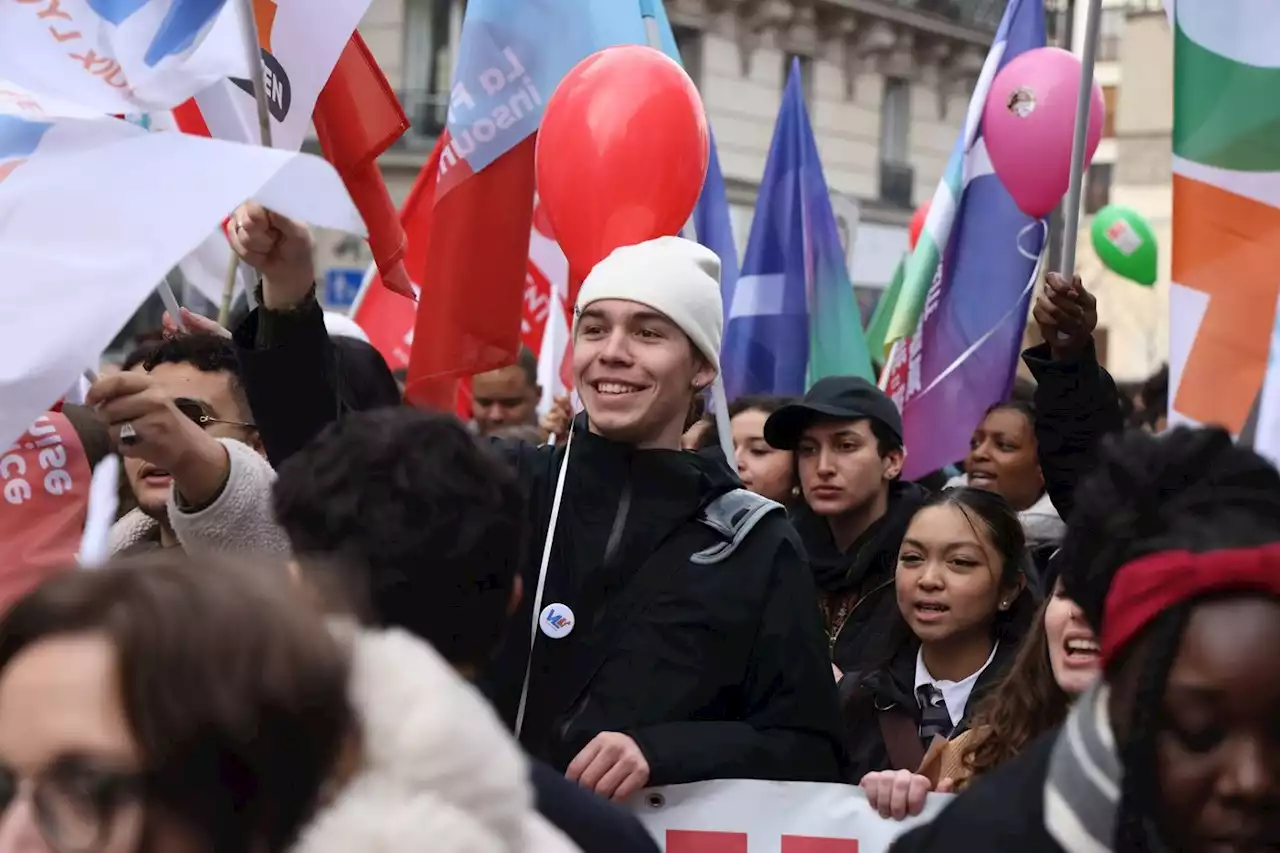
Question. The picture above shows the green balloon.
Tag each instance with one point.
(1125, 242)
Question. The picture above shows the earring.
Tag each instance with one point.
(1004, 605)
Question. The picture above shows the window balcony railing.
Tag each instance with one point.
(978, 14)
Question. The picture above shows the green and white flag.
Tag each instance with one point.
(1226, 207)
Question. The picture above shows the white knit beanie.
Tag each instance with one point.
(677, 277)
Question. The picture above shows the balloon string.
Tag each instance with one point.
(977, 345)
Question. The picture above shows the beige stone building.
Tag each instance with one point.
(887, 84)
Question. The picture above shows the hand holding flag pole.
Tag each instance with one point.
(249, 33)
(1079, 143)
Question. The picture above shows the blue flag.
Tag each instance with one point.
(793, 298)
(711, 223)
(963, 353)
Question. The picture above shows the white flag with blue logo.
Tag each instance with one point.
(83, 241)
(120, 56)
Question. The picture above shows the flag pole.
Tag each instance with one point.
(719, 398)
(170, 300)
(249, 33)
(1071, 208)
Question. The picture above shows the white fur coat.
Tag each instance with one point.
(240, 521)
(439, 772)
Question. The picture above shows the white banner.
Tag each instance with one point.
(120, 56)
(743, 816)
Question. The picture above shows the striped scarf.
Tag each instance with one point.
(1082, 791)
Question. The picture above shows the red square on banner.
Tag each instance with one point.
(805, 844)
(691, 841)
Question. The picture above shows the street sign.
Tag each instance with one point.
(341, 286)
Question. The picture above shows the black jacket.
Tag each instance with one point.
(863, 574)
(298, 379)
(891, 689)
(715, 670)
(1000, 810)
(591, 822)
(1076, 405)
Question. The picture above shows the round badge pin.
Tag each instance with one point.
(556, 621)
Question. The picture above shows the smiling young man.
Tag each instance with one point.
(677, 638)
(695, 651)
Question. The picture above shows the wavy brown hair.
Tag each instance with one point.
(1025, 705)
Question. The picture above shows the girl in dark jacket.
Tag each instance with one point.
(962, 609)
(1173, 555)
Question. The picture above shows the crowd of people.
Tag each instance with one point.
(335, 622)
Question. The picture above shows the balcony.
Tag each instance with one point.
(897, 184)
(977, 14)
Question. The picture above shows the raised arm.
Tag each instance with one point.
(288, 362)
(1076, 399)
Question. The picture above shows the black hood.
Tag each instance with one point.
(621, 503)
(364, 380)
(873, 556)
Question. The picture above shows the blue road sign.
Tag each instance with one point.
(341, 286)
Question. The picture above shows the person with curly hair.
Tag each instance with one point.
(1173, 555)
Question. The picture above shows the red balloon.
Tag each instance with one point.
(917, 224)
(622, 153)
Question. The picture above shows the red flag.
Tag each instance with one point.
(357, 117)
(387, 317)
(473, 283)
(46, 477)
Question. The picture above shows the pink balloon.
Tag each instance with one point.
(1027, 125)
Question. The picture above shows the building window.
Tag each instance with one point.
(1055, 22)
(1110, 32)
(895, 121)
(432, 29)
(1110, 95)
(897, 177)
(1097, 190)
(806, 74)
(689, 43)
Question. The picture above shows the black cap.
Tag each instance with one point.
(843, 398)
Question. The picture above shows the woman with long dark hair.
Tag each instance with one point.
(1173, 554)
(1056, 662)
(962, 609)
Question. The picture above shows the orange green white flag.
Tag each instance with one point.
(1226, 208)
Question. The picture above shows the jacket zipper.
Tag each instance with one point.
(852, 610)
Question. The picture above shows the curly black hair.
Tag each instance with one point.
(1190, 490)
(206, 353)
(427, 524)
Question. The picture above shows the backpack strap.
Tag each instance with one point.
(901, 740)
(732, 516)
